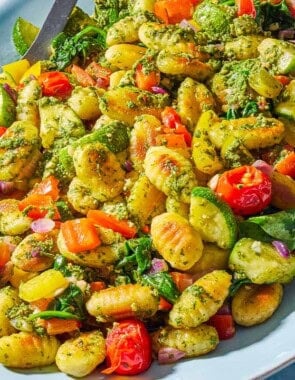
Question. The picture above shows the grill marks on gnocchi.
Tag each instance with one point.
(170, 172)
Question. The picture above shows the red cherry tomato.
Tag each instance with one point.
(2, 130)
(224, 325)
(246, 7)
(55, 83)
(129, 350)
(246, 189)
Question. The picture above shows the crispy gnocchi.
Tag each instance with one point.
(147, 185)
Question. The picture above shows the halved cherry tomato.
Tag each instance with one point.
(55, 83)
(164, 305)
(170, 117)
(283, 79)
(182, 280)
(82, 77)
(2, 130)
(246, 7)
(224, 324)
(129, 349)
(246, 189)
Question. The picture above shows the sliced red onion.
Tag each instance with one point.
(6, 187)
(281, 248)
(186, 24)
(224, 310)
(263, 166)
(128, 167)
(42, 225)
(10, 91)
(159, 90)
(169, 355)
(158, 265)
(286, 34)
(213, 182)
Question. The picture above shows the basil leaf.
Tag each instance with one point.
(252, 230)
(138, 255)
(235, 286)
(164, 284)
(279, 226)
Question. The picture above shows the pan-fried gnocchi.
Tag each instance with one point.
(8, 299)
(131, 299)
(201, 300)
(176, 240)
(170, 172)
(80, 356)
(147, 189)
(39, 351)
(194, 341)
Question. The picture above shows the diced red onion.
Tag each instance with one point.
(42, 225)
(128, 166)
(186, 24)
(169, 355)
(281, 248)
(159, 90)
(213, 182)
(10, 91)
(224, 310)
(286, 34)
(263, 166)
(158, 265)
(6, 187)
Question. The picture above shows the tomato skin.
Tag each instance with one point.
(55, 83)
(246, 189)
(246, 7)
(2, 130)
(224, 325)
(129, 349)
(170, 117)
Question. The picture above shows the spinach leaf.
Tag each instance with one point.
(269, 15)
(250, 109)
(254, 231)
(232, 114)
(164, 284)
(90, 39)
(279, 226)
(235, 286)
(71, 301)
(138, 255)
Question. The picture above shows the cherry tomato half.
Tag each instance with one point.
(129, 350)
(246, 189)
(55, 83)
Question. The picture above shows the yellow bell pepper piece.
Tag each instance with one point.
(34, 70)
(17, 69)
